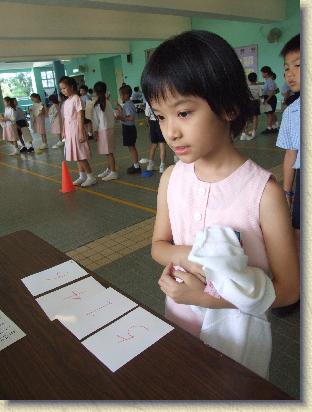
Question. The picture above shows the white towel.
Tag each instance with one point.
(244, 334)
(218, 251)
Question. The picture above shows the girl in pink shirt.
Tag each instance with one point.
(55, 119)
(76, 143)
(201, 99)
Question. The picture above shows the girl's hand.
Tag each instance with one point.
(82, 139)
(189, 292)
(193, 268)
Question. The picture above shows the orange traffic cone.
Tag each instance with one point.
(67, 183)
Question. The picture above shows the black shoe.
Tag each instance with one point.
(275, 130)
(30, 149)
(267, 131)
(90, 137)
(132, 170)
(23, 149)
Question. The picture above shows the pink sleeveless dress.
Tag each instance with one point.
(234, 202)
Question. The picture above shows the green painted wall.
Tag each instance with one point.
(132, 71)
(244, 34)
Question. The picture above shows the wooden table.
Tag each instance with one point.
(50, 363)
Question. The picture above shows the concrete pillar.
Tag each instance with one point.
(59, 71)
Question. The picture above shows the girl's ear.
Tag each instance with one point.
(229, 117)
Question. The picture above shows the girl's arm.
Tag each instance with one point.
(163, 251)
(82, 132)
(280, 245)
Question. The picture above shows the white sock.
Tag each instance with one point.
(90, 175)
(82, 175)
(268, 127)
(136, 165)
(162, 163)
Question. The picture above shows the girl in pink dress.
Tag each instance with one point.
(55, 119)
(37, 115)
(76, 143)
(201, 100)
(8, 124)
(103, 127)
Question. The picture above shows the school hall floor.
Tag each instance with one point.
(108, 227)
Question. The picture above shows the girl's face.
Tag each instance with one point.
(190, 127)
(292, 70)
(66, 89)
(35, 99)
(265, 75)
(6, 103)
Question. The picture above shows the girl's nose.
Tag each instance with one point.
(173, 131)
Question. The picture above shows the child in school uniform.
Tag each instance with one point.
(86, 99)
(127, 115)
(256, 92)
(156, 139)
(8, 124)
(289, 134)
(37, 115)
(202, 102)
(269, 96)
(55, 119)
(22, 129)
(76, 143)
(103, 126)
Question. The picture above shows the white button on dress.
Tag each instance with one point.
(197, 216)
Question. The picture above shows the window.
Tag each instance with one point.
(47, 79)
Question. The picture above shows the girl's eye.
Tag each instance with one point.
(183, 114)
(160, 117)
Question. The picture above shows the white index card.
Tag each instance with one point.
(95, 312)
(53, 277)
(72, 295)
(9, 331)
(126, 338)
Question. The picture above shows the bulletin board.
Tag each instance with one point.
(248, 55)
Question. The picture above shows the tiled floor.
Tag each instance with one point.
(108, 227)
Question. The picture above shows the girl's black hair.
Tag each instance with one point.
(54, 99)
(36, 95)
(266, 69)
(10, 101)
(69, 81)
(100, 91)
(203, 64)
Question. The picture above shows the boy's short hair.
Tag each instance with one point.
(291, 46)
(84, 87)
(90, 91)
(136, 88)
(126, 90)
(200, 63)
(252, 77)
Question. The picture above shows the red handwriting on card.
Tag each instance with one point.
(130, 334)
(94, 311)
(75, 295)
(59, 275)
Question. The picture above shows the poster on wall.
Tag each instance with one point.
(248, 55)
